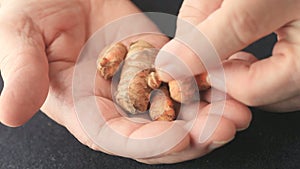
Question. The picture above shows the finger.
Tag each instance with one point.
(237, 113)
(24, 70)
(195, 11)
(237, 25)
(263, 82)
(288, 105)
(217, 98)
(214, 95)
(192, 12)
(136, 140)
(108, 130)
(125, 132)
(245, 22)
(244, 56)
(235, 116)
(224, 133)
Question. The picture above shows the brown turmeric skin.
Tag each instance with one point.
(202, 82)
(139, 84)
(153, 80)
(162, 107)
(133, 93)
(110, 60)
(187, 90)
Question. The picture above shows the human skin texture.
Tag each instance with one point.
(238, 24)
(40, 42)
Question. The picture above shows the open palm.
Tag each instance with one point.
(40, 44)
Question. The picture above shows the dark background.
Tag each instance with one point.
(271, 142)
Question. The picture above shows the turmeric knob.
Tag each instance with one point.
(187, 90)
(110, 59)
(133, 92)
(202, 82)
(162, 108)
(153, 80)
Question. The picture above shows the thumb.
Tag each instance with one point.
(177, 54)
(220, 32)
(24, 69)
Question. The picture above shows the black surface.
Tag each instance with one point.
(271, 142)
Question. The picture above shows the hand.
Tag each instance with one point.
(40, 44)
(230, 26)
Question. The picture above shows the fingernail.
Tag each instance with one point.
(244, 128)
(217, 144)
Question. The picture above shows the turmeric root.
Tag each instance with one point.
(202, 82)
(153, 80)
(138, 79)
(162, 108)
(133, 93)
(186, 90)
(110, 60)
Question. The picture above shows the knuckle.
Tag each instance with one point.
(244, 25)
(251, 100)
(248, 97)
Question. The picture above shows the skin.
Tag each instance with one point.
(274, 81)
(40, 42)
